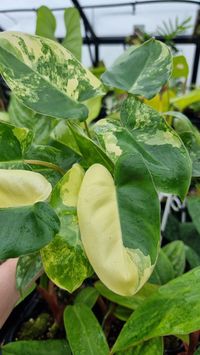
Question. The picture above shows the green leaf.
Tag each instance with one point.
(131, 302)
(173, 309)
(141, 70)
(122, 253)
(14, 141)
(181, 102)
(151, 347)
(90, 151)
(35, 347)
(32, 65)
(40, 125)
(163, 271)
(73, 38)
(84, 333)
(175, 251)
(192, 257)
(28, 267)
(64, 259)
(172, 173)
(25, 230)
(197, 352)
(88, 296)
(193, 204)
(122, 313)
(45, 23)
(180, 67)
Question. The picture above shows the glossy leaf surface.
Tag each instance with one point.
(32, 65)
(141, 70)
(25, 230)
(84, 333)
(173, 309)
(64, 259)
(34, 347)
(123, 252)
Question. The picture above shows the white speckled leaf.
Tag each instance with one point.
(64, 259)
(141, 70)
(45, 76)
(119, 235)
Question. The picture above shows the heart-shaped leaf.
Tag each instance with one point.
(141, 70)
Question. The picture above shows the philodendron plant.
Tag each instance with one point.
(87, 201)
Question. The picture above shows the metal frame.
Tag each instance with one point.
(92, 39)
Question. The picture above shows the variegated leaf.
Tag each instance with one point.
(64, 259)
(141, 70)
(32, 66)
(147, 132)
(119, 234)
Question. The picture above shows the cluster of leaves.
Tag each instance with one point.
(79, 200)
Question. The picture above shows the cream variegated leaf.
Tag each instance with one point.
(64, 259)
(119, 235)
(22, 188)
(45, 76)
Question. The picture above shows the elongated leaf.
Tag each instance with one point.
(175, 251)
(84, 332)
(34, 347)
(122, 253)
(32, 65)
(22, 116)
(183, 101)
(157, 138)
(151, 347)
(73, 38)
(25, 230)
(46, 23)
(173, 309)
(28, 267)
(22, 188)
(131, 302)
(163, 271)
(141, 70)
(88, 296)
(64, 259)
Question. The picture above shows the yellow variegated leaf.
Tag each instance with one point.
(22, 188)
(64, 259)
(120, 237)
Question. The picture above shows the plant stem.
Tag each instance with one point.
(46, 164)
(87, 129)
